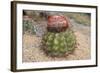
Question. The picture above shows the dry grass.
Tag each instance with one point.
(81, 18)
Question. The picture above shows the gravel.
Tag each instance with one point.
(33, 53)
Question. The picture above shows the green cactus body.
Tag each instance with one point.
(58, 44)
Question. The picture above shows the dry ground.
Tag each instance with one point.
(33, 53)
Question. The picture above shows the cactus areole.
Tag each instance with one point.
(57, 23)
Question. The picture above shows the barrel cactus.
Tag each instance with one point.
(58, 42)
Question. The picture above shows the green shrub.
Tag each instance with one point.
(28, 27)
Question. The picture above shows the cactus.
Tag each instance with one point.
(59, 44)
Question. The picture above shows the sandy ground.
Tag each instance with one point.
(33, 53)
